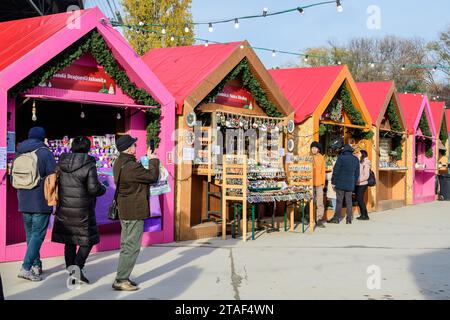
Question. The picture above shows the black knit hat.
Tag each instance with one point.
(124, 142)
(317, 145)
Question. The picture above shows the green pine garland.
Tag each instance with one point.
(93, 42)
(397, 141)
(443, 136)
(425, 128)
(249, 82)
(393, 117)
(351, 111)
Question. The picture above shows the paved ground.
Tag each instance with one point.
(410, 247)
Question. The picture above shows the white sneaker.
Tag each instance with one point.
(37, 270)
(29, 275)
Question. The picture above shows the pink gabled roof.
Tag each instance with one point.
(305, 87)
(375, 95)
(19, 37)
(437, 111)
(411, 106)
(182, 69)
(447, 118)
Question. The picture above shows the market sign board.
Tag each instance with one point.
(235, 96)
(82, 78)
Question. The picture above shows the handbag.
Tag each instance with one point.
(371, 182)
(113, 211)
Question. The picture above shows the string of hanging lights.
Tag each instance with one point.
(306, 57)
(235, 20)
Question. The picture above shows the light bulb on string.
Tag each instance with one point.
(300, 10)
(339, 62)
(241, 46)
(172, 38)
(339, 7)
(265, 10)
(141, 23)
(273, 53)
(118, 116)
(306, 58)
(435, 68)
(372, 65)
(163, 30)
(236, 23)
(186, 29)
(210, 27)
(82, 115)
(403, 67)
(33, 111)
(206, 43)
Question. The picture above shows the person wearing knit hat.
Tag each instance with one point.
(318, 181)
(32, 204)
(133, 182)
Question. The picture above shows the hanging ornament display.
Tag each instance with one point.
(191, 119)
(290, 126)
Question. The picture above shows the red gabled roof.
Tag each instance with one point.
(182, 69)
(410, 104)
(305, 87)
(375, 95)
(18, 37)
(437, 111)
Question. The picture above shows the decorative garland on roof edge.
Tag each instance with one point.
(93, 42)
(397, 141)
(351, 111)
(249, 82)
(443, 136)
(425, 128)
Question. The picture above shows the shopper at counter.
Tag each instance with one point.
(133, 203)
(344, 179)
(75, 221)
(32, 203)
(362, 184)
(318, 181)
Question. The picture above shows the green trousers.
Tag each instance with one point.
(130, 245)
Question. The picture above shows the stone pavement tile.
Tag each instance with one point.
(410, 245)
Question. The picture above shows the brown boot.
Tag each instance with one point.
(124, 286)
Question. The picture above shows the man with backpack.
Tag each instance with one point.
(33, 162)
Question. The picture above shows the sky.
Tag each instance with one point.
(318, 25)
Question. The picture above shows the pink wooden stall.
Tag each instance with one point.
(12, 245)
(424, 179)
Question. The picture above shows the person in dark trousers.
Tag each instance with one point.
(33, 206)
(75, 223)
(362, 184)
(344, 178)
(133, 204)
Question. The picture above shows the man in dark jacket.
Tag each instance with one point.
(133, 203)
(344, 178)
(32, 204)
(75, 221)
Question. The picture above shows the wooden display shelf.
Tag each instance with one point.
(392, 169)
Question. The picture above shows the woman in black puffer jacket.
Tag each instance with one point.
(75, 222)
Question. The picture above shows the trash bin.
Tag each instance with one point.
(444, 186)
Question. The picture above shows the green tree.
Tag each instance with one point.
(175, 15)
(441, 50)
(388, 54)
